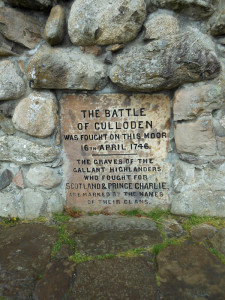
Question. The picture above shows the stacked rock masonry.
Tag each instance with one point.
(171, 48)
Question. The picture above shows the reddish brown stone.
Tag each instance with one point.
(95, 50)
(58, 137)
(18, 180)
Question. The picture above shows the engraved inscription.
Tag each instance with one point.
(115, 150)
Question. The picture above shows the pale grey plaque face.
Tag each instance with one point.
(115, 147)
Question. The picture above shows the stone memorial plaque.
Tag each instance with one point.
(115, 150)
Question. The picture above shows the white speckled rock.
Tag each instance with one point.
(54, 28)
(12, 85)
(44, 177)
(36, 115)
(159, 26)
(18, 150)
(105, 22)
(66, 69)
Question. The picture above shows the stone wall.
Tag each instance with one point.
(49, 48)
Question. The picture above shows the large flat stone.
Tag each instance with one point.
(190, 272)
(19, 150)
(118, 278)
(20, 27)
(105, 22)
(166, 63)
(66, 69)
(56, 281)
(24, 253)
(99, 235)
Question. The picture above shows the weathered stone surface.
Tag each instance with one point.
(55, 27)
(172, 228)
(7, 109)
(44, 177)
(190, 272)
(221, 145)
(55, 203)
(166, 63)
(18, 180)
(20, 27)
(66, 69)
(199, 138)
(33, 4)
(56, 281)
(6, 125)
(199, 202)
(202, 232)
(105, 22)
(117, 278)
(29, 203)
(5, 179)
(192, 101)
(6, 47)
(22, 151)
(24, 252)
(159, 26)
(11, 204)
(33, 202)
(100, 223)
(201, 189)
(218, 241)
(217, 23)
(36, 115)
(12, 85)
(197, 9)
(184, 175)
(219, 122)
(99, 235)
